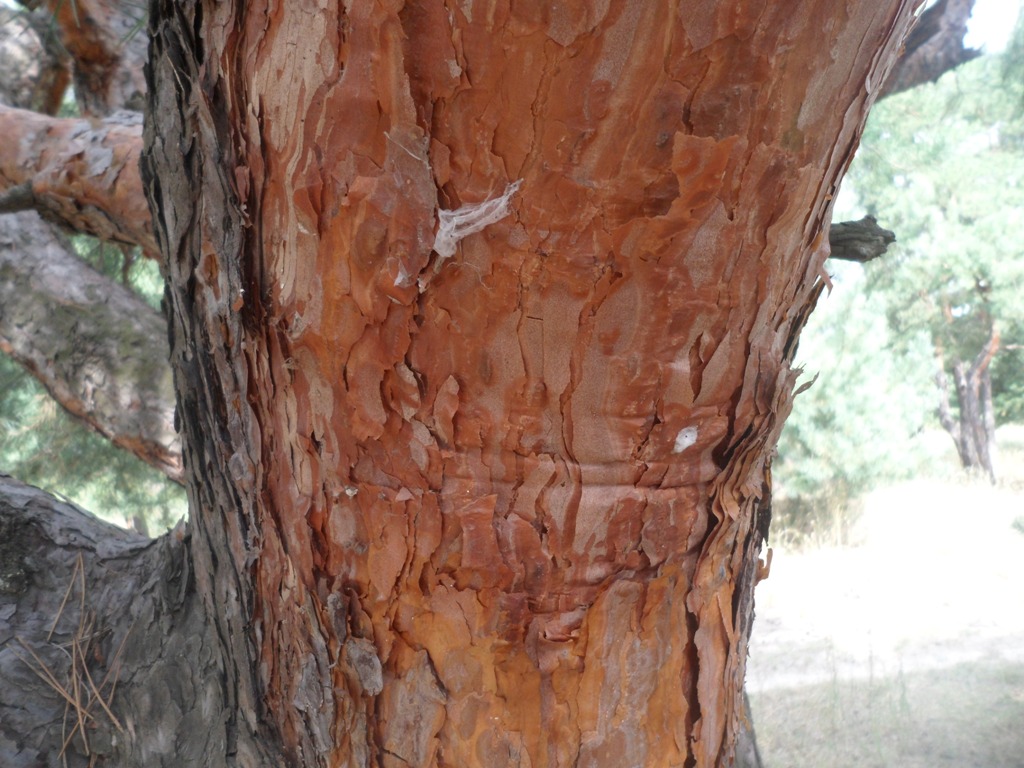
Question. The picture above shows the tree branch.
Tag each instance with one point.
(859, 241)
(108, 47)
(935, 46)
(127, 605)
(981, 361)
(17, 198)
(36, 72)
(99, 349)
(82, 174)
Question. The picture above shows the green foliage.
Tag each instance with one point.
(854, 428)
(43, 445)
(124, 264)
(943, 166)
(1008, 381)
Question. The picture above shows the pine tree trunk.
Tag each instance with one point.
(484, 485)
(491, 501)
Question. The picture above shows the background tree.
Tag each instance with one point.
(852, 429)
(941, 164)
(944, 163)
(469, 485)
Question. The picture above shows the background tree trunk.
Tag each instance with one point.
(974, 429)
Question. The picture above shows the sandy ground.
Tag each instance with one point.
(937, 579)
(935, 585)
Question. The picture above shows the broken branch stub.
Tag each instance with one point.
(860, 241)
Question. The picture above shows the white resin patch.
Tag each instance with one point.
(686, 437)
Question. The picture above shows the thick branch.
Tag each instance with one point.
(124, 609)
(981, 361)
(935, 46)
(82, 174)
(99, 350)
(859, 241)
(108, 49)
(36, 74)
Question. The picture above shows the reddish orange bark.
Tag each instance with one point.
(500, 509)
(105, 41)
(80, 173)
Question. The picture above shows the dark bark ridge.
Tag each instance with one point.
(183, 155)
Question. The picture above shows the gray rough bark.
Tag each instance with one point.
(104, 646)
(215, 423)
(934, 46)
(97, 348)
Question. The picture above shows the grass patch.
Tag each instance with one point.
(969, 714)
